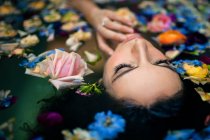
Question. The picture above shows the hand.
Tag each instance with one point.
(109, 26)
(103, 46)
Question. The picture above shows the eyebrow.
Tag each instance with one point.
(129, 70)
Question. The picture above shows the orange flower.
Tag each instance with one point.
(171, 37)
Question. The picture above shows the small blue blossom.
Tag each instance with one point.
(194, 26)
(180, 70)
(189, 134)
(47, 31)
(196, 63)
(95, 135)
(32, 64)
(182, 47)
(182, 30)
(149, 11)
(108, 125)
(195, 47)
(142, 19)
(203, 135)
(180, 135)
(27, 64)
(6, 99)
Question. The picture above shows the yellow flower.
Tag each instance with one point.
(205, 96)
(196, 71)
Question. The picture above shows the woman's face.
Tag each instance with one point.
(138, 72)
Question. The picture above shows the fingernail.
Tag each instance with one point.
(130, 23)
(123, 38)
(110, 53)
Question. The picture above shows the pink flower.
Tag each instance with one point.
(159, 23)
(66, 70)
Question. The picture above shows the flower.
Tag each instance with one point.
(78, 134)
(194, 70)
(196, 37)
(92, 58)
(32, 24)
(70, 16)
(51, 16)
(6, 99)
(50, 119)
(205, 59)
(171, 37)
(18, 51)
(127, 14)
(74, 40)
(184, 134)
(7, 129)
(198, 72)
(159, 23)
(37, 5)
(107, 125)
(30, 40)
(205, 96)
(64, 69)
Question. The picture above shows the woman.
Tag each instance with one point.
(151, 97)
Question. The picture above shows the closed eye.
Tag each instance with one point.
(162, 62)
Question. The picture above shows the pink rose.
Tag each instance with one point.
(159, 23)
(65, 70)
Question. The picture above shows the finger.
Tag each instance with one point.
(118, 27)
(109, 34)
(103, 46)
(113, 16)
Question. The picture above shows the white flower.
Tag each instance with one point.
(30, 40)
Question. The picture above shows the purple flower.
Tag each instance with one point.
(50, 119)
(205, 59)
(196, 38)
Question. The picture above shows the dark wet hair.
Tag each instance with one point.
(180, 111)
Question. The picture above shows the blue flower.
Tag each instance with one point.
(95, 135)
(149, 11)
(6, 99)
(196, 63)
(202, 135)
(180, 135)
(27, 64)
(182, 47)
(180, 70)
(195, 47)
(193, 26)
(142, 19)
(32, 64)
(107, 125)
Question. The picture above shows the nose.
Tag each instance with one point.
(140, 51)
